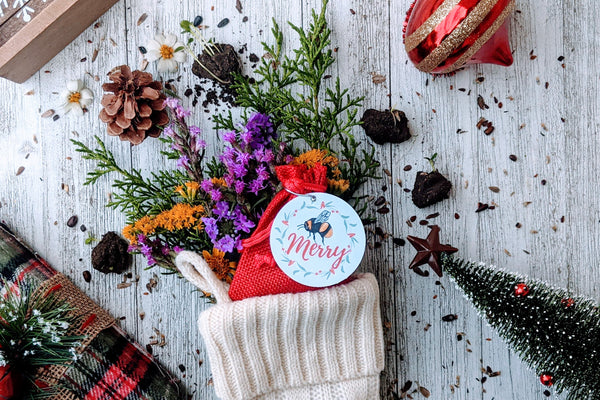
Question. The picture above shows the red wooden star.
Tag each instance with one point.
(429, 250)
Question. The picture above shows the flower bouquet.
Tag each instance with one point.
(210, 205)
(210, 217)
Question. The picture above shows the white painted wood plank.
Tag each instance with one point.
(368, 41)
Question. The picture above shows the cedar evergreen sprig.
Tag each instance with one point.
(34, 333)
(316, 117)
(136, 196)
(553, 332)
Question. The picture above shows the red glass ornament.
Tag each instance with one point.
(441, 36)
(521, 290)
(547, 380)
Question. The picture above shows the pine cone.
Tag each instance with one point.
(135, 107)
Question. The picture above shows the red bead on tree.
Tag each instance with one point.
(521, 290)
(547, 380)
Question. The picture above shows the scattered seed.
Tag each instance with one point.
(181, 366)
(380, 201)
(383, 210)
(141, 19)
(495, 189)
(481, 103)
(424, 392)
(29, 93)
(142, 50)
(456, 216)
(197, 21)
(56, 117)
(47, 113)
(423, 222)
(223, 22)
(432, 216)
(87, 276)
(518, 225)
(408, 167)
(482, 207)
(72, 221)
(123, 285)
(83, 228)
(399, 241)
(512, 157)
(449, 317)
(238, 6)
(406, 387)
(377, 78)
(65, 187)
(245, 19)
(20, 170)
(507, 253)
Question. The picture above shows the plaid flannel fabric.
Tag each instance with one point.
(111, 367)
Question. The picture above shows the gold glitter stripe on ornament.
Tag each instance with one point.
(415, 38)
(478, 44)
(458, 35)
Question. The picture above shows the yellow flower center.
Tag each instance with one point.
(166, 52)
(74, 97)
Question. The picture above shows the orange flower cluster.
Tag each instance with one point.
(222, 267)
(323, 157)
(181, 216)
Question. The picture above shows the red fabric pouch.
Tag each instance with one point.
(257, 272)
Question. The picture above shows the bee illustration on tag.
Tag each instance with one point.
(319, 225)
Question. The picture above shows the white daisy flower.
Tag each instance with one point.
(76, 97)
(167, 50)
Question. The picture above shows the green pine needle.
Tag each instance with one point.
(34, 334)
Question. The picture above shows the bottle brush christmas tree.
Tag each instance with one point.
(556, 334)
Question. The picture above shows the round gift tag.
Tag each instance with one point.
(317, 239)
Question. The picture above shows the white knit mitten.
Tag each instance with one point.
(323, 345)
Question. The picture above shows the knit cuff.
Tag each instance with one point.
(263, 345)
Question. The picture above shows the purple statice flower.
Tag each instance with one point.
(226, 244)
(239, 187)
(151, 261)
(200, 144)
(246, 137)
(176, 147)
(132, 248)
(171, 102)
(242, 223)
(228, 156)
(221, 209)
(215, 195)
(182, 112)
(262, 172)
(289, 158)
(229, 137)
(183, 161)
(229, 179)
(206, 185)
(169, 131)
(210, 227)
(256, 186)
(141, 238)
(243, 158)
(194, 131)
(165, 250)
(261, 129)
(146, 250)
(239, 170)
(177, 249)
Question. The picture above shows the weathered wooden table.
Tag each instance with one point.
(548, 119)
